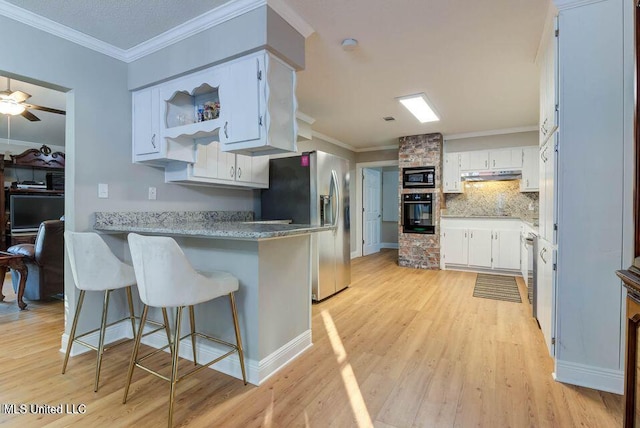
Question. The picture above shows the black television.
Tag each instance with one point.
(28, 211)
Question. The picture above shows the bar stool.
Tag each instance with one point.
(166, 279)
(96, 268)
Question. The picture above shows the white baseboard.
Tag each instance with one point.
(112, 334)
(257, 371)
(393, 245)
(589, 376)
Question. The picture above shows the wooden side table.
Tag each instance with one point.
(15, 262)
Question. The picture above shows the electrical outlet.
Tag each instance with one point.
(103, 190)
(152, 193)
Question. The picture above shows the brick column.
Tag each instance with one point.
(421, 251)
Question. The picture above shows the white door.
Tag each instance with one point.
(371, 216)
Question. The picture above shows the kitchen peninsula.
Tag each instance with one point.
(273, 264)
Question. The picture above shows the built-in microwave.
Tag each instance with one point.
(419, 177)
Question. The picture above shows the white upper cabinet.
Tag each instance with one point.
(474, 161)
(530, 181)
(548, 85)
(482, 160)
(262, 113)
(214, 167)
(506, 158)
(451, 182)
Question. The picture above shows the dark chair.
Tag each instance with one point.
(44, 261)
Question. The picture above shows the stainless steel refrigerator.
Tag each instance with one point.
(314, 189)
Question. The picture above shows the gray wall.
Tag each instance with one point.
(519, 139)
(98, 130)
(258, 29)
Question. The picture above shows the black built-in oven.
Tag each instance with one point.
(419, 177)
(417, 213)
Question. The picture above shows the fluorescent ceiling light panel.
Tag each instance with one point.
(418, 105)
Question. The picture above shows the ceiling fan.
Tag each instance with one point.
(13, 103)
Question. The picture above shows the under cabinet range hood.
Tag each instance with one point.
(496, 175)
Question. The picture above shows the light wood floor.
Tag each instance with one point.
(399, 348)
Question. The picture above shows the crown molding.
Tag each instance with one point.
(375, 149)
(41, 23)
(333, 141)
(569, 4)
(292, 17)
(305, 117)
(194, 26)
(491, 132)
(222, 13)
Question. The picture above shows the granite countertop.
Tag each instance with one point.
(226, 230)
(531, 221)
(204, 224)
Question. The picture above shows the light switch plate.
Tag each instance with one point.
(152, 193)
(103, 190)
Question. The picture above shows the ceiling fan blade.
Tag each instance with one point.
(29, 116)
(19, 96)
(50, 110)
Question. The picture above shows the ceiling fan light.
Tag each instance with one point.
(11, 107)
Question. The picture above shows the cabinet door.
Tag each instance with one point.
(206, 164)
(146, 138)
(226, 165)
(480, 248)
(505, 249)
(242, 94)
(243, 168)
(530, 181)
(456, 246)
(547, 190)
(260, 170)
(546, 293)
(451, 174)
(474, 161)
(506, 159)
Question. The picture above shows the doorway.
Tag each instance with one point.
(377, 205)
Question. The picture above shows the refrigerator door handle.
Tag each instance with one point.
(334, 183)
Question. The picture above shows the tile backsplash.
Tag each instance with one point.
(492, 198)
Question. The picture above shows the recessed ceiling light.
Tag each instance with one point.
(418, 105)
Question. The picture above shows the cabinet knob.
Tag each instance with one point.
(226, 134)
(239, 172)
(231, 172)
(153, 141)
(494, 162)
(527, 182)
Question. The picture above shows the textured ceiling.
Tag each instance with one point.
(121, 23)
(474, 60)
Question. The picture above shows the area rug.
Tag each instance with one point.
(497, 287)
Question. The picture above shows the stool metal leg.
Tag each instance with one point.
(132, 314)
(134, 353)
(174, 364)
(234, 312)
(103, 329)
(165, 318)
(72, 335)
(192, 321)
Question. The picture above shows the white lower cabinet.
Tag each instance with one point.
(546, 293)
(481, 244)
(480, 248)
